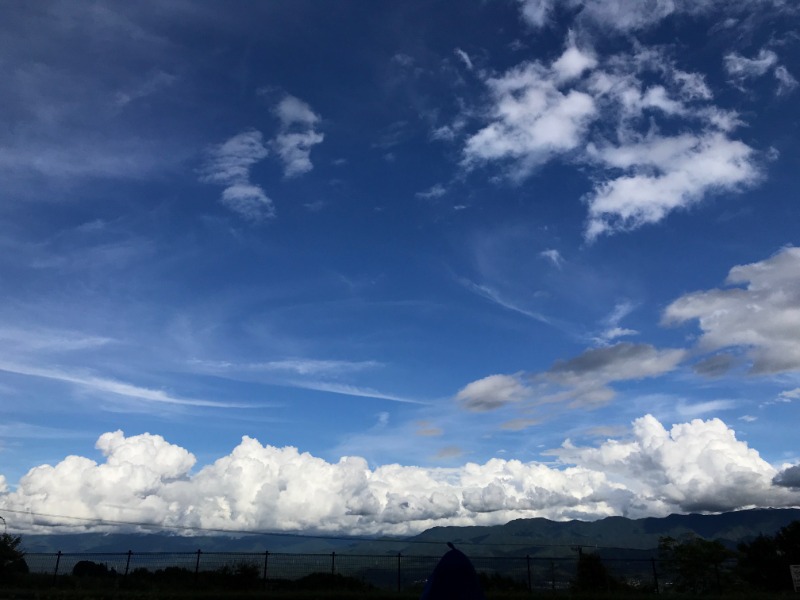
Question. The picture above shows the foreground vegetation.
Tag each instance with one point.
(688, 568)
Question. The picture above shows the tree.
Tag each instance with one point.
(764, 562)
(12, 558)
(694, 563)
(591, 574)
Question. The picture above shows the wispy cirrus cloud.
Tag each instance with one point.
(350, 390)
(103, 385)
(229, 164)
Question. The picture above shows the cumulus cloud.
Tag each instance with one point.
(662, 174)
(695, 466)
(788, 477)
(297, 135)
(614, 114)
(492, 392)
(761, 314)
(698, 465)
(585, 379)
(581, 382)
(229, 164)
(532, 117)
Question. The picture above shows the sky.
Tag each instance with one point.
(371, 267)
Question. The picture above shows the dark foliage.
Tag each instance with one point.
(764, 562)
(695, 565)
(12, 558)
(591, 575)
(88, 568)
(498, 583)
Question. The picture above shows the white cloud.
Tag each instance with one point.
(740, 67)
(761, 314)
(540, 113)
(580, 382)
(694, 466)
(662, 174)
(249, 201)
(554, 256)
(435, 191)
(493, 392)
(464, 57)
(536, 12)
(305, 366)
(297, 135)
(106, 386)
(786, 82)
(229, 164)
(532, 118)
(350, 390)
(586, 378)
(611, 324)
(625, 16)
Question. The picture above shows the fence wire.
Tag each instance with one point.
(391, 572)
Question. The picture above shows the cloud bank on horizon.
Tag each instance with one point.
(695, 466)
(532, 259)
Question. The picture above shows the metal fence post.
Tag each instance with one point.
(399, 586)
(655, 574)
(333, 563)
(197, 565)
(528, 561)
(266, 562)
(55, 571)
(128, 563)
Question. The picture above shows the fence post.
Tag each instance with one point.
(553, 575)
(716, 574)
(55, 571)
(333, 563)
(655, 574)
(528, 561)
(266, 562)
(128, 563)
(399, 586)
(197, 565)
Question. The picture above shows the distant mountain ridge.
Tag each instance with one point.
(612, 535)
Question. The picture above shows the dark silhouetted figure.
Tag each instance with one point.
(454, 578)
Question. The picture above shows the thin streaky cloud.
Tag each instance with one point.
(350, 390)
(111, 386)
(494, 296)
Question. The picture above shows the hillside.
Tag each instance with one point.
(520, 537)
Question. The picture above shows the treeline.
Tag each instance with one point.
(698, 566)
(690, 565)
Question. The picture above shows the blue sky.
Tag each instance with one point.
(512, 258)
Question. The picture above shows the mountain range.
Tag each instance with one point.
(613, 535)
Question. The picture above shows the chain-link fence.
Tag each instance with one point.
(390, 572)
